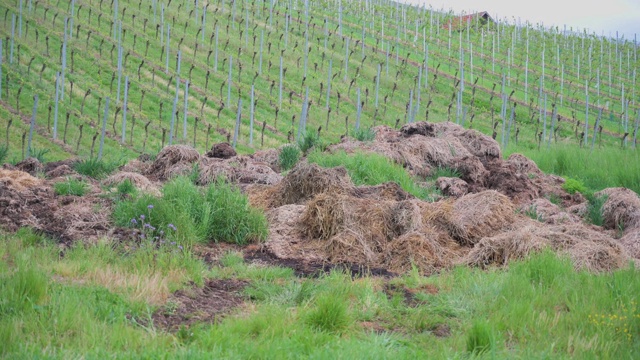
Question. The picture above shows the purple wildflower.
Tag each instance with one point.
(150, 207)
(141, 217)
(134, 221)
(172, 227)
(180, 247)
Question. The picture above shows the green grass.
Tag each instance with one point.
(65, 307)
(95, 168)
(288, 157)
(189, 214)
(371, 169)
(71, 186)
(364, 134)
(597, 169)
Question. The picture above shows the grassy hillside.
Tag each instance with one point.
(361, 64)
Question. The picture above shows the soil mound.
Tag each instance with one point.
(221, 151)
(621, 210)
(172, 161)
(59, 171)
(30, 165)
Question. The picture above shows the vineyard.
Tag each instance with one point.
(123, 78)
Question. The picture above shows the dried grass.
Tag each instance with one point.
(306, 180)
(173, 160)
(621, 210)
(427, 249)
(480, 145)
(475, 216)
(141, 182)
(524, 165)
(547, 212)
(80, 221)
(18, 180)
(631, 242)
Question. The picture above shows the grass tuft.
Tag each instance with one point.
(364, 134)
(331, 314)
(71, 186)
(95, 168)
(4, 152)
(480, 338)
(289, 156)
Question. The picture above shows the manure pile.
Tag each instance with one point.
(497, 211)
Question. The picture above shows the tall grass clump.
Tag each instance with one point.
(22, 289)
(308, 141)
(594, 209)
(364, 134)
(95, 168)
(289, 156)
(597, 169)
(71, 186)
(187, 213)
(331, 314)
(370, 169)
(480, 338)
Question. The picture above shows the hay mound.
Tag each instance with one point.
(139, 181)
(285, 239)
(451, 186)
(353, 230)
(588, 249)
(507, 178)
(479, 215)
(18, 180)
(137, 166)
(271, 157)
(81, 222)
(30, 165)
(524, 165)
(172, 161)
(387, 191)
(428, 249)
(239, 169)
(221, 151)
(62, 170)
(621, 209)
(482, 146)
(631, 242)
(471, 170)
(545, 211)
(418, 128)
(306, 180)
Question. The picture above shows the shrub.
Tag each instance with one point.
(95, 168)
(364, 134)
(572, 186)
(479, 338)
(289, 156)
(219, 212)
(71, 186)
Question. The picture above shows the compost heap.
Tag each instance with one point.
(496, 211)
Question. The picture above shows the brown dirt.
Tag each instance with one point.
(200, 305)
(442, 331)
(30, 165)
(409, 295)
(60, 171)
(221, 151)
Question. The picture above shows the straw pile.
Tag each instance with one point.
(631, 242)
(239, 169)
(480, 145)
(141, 182)
(588, 249)
(429, 249)
(172, 161)
(475, 216)
(18, 180)
(545, 211)
(621, 210)
(451, 186)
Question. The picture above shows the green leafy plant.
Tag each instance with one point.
(572, 186)
(71, 186)
(289, 156)
(594, 209)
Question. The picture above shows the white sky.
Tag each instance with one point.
(599, 16)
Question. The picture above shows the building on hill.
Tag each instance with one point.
(476, 20)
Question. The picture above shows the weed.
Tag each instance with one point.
(126, 188)
(532, 212)
(40, 154)
(443, 171)
(572, 186)
(71, 186)
(95, 168)
(364, 134)
(289, 156)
